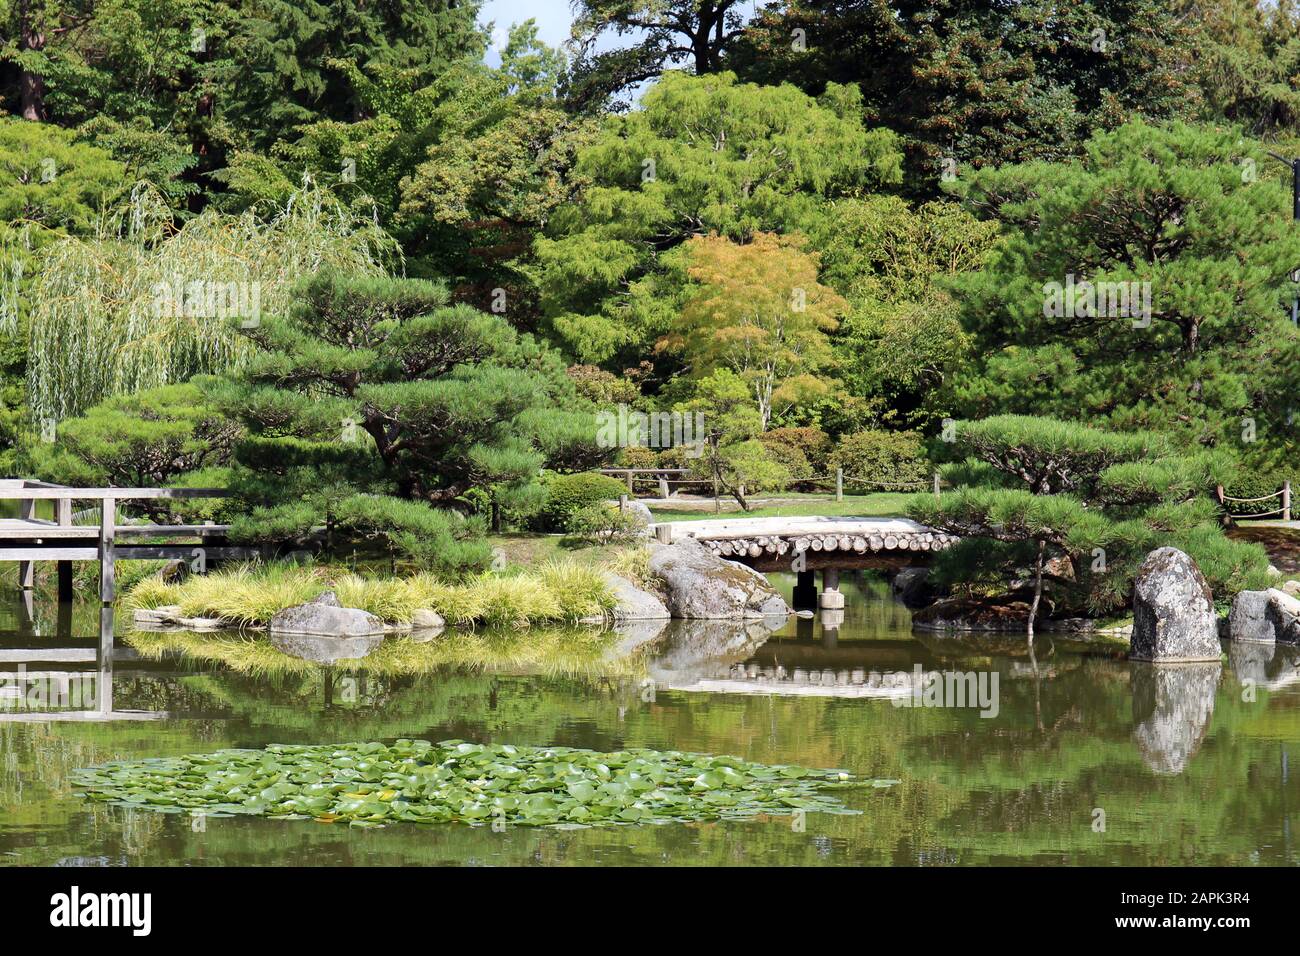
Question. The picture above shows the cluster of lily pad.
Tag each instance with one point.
(371, 784)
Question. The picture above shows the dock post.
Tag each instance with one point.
(805, 591)
(26, 569)
(839, 484)
(831, 598)
(1286, 501)
(664, 533)
(107, 526)
(63, 508)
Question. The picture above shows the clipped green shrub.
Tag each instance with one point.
(603, 523)
(566, 494)
(887, 458)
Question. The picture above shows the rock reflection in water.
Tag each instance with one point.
(1172, 706)
(730, 658)
(1270, 666)
(325, 650)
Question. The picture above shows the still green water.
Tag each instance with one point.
(1189, 764)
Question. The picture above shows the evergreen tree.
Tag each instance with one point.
(704, 154)
(374, 407)
(1143, 287)
(1092, 503)
(978, 83)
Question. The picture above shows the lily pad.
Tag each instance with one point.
(415, 781)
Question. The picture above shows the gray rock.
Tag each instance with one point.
(698, 584)
(424, 619)
(634, 604)
(1265, 617)
(1292, 588)
(164, 614)
(1173, 611)
(325, 617)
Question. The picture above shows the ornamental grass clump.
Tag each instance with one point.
(251, 594)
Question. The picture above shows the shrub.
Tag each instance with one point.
(887, 458)
(566, 494)
(790, 456)
(603, 522)
(810, 441)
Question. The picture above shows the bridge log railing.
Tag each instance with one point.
(28, 539)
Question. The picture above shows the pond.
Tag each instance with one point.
(1072, 755)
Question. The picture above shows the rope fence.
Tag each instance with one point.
(668, 478)
(1284, 511)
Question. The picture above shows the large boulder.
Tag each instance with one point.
(1173, 611)
(1264, 617)
(634, 604)
(326, 617)
(699, 584)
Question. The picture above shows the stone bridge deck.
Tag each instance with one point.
(773, 544)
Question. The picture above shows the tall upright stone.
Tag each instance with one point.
(1173, 611)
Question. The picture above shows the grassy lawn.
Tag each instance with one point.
(531, 550)
(883, 504)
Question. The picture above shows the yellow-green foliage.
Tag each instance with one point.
(252, 594)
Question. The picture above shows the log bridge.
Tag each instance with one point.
(810, 544)
(27, 539)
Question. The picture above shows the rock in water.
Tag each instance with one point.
(634, 604)
(325, 617)
(699, 584)
(1173, 611)
(1265, 617)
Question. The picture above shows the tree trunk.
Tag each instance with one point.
(1038, 591)
(31, 86)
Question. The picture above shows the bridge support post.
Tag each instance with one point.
(831, 597)
(27, 569)
(805, 591)
(63, 510)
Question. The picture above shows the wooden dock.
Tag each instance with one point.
(28, 539)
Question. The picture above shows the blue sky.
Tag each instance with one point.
(553, 18)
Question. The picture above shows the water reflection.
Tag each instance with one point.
(45, 685)
(1200, 772)
(319, 649)
(1172, 706)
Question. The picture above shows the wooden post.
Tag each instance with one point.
(936, 484)
(1286, 501)
(664, 533)
(622, 503)
(26, 569)
(839, 484)
(630, 489)
(663, 487)
(107, 532)
(63, 510)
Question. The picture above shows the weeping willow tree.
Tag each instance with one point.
(143, 303)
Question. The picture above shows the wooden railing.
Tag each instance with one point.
(28, 539)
